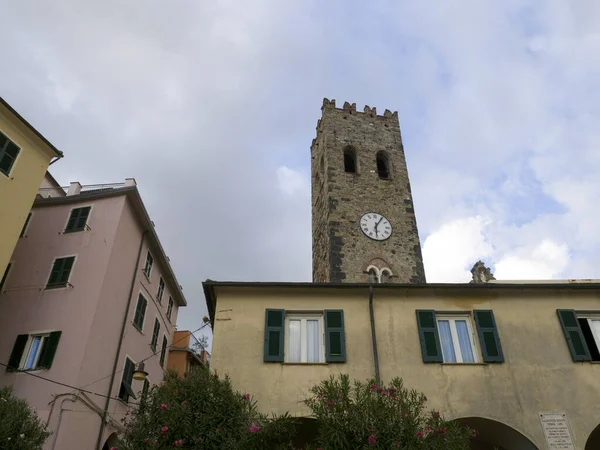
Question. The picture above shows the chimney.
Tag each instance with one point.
(74, 188)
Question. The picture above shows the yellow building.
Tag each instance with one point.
(24, 158)
(504, 358)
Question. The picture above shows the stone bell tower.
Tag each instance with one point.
(363, 218)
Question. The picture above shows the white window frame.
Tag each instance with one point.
(589, 318)
(303, 317)
(25, 356)
(379, 272)
(161, 290)
(452, 318)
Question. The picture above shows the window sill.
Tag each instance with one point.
(304, 364)
(146, 275)
(464, 364)
(73, 231)
(55, 286)
(138, 328)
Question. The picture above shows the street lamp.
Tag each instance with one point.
(140, 374)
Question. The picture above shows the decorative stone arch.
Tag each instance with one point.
(492, 435)
(350, 159)
(379, 273)
(593, 440)
(111, 442)
(384, 165)
(377, 260)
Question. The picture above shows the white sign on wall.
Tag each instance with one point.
(557, 432)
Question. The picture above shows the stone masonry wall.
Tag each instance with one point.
(341, 252)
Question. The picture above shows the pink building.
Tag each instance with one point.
(88, 295)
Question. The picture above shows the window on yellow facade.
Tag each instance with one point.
(582, 333)
(451, 338)
(8, 154)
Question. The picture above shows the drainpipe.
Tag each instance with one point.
(373, 337)
(60, 419)
(118, 354)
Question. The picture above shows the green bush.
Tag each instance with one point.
(368, 416)
(201, 411)
(20, 427)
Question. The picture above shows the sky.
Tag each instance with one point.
(212, 107)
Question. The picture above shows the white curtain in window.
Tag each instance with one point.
(312, 341)
(33, 350)
(464, 341)
(294, 341)
(446, 341)
(595, 327)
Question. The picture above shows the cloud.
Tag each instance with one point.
(212, 106)
(450, 252)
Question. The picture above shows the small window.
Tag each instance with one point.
(61, 271)
(126, 391)
(78, 219)
(383, 166)
(170, 309)
(161, 289)
(34, 352)
(5, 276)
(140, 312)
(148, 265)
(304, 338)
(349, 160)
(385, 275)
(155, 333)
(377, 275)
(25, 225)
(163, 351)
(8, 154)
(456, 339)
(373, 275)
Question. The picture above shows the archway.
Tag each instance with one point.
(493, 435)
(593, 442)
(306, 432)
(111, 442)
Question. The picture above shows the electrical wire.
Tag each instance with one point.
(148, 357)
(66, 385)
(82, 389)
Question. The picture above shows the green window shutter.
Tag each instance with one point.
(66, 269)
(155, 333)
(428, 334)
(274, 332)
(126, 391)
(5, 276)
(575, 339)
(55, 273)
(335, 339)
(140, 312)
(488, 336)
(49, 350)
(17, 352)
(83, 216)
(61, 269)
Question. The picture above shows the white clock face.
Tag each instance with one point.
(375, 226)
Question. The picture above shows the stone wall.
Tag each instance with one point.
(341, 252)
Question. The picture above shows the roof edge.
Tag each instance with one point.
(58, 153)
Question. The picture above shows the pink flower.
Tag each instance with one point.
(339, 395)
(178, 443)
(373, 387)
(372, 440)
(419, 434)
(392, 389)
(163, 406)
(253, 428)
(246, 396)
(164, 429)
(183, 403)
(435, 414)
(442, 430)
(113, 448)
(475, 433)
(405, 414)
(329, 403)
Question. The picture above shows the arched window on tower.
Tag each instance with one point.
(383, 165)
(349, 160)
(373, 275)
(385, 275)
